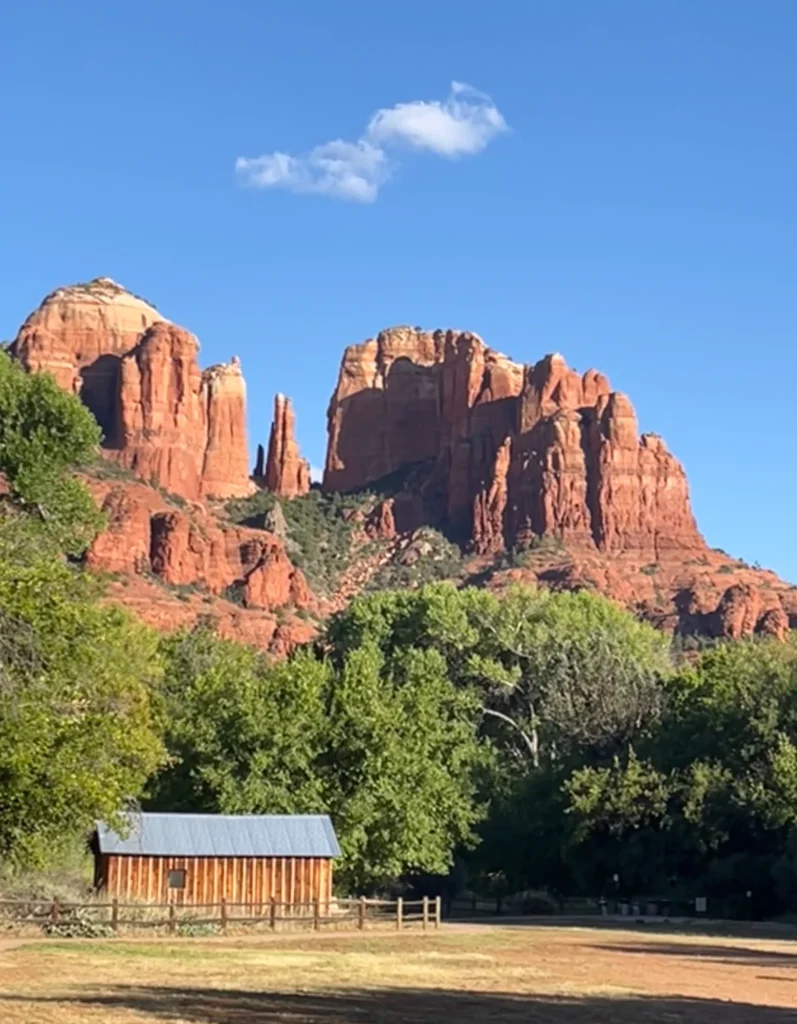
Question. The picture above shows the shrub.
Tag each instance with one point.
(427, 558)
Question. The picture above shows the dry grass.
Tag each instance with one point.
(546, 975)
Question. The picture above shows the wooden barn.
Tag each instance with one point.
(204, 858)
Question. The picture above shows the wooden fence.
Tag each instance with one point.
(110, 918)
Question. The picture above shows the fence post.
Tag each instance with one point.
(272, 914)
(425, 912)
(399, 913)
(317, 915)
(224, 915)
(437, 911)
(172, 918)
(54, 912)
(115, 914)
(361, 914)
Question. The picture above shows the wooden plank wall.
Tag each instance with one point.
(248, 880)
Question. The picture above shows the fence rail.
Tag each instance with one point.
(112, 917)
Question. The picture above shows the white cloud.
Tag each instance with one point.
(349, 170)
(316, 474)
(460, 125)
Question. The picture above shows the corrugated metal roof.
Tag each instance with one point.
(223, 835)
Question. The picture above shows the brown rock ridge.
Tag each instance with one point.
(510, 452)
(285, 472)
(188, 546)
(138, 373)
(174, 566)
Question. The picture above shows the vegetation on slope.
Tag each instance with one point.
(317, 529)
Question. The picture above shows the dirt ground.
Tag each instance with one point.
(501, 974)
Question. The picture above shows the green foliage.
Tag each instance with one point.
(426, 558)
(44, 432)
(388, 749)
(319, 529)
(650, 570)
(713, 802)
(79, 924)
(243, 736)
(569, 671)
(77, 730)
(403, 764)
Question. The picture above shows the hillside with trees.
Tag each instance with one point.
(539, 740)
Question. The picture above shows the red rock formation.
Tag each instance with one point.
(490, 504)
(225, 466)
(161, 417)
(774, 622)
(188, 547)
(380, 524)
(286, 473)
(578, 469)
(78, 335)
(138, 373)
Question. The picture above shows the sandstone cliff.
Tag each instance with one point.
(285, 472)
(79, 333)
(161, 416)
(504, 453)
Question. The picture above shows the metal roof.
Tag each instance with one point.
(222, 835)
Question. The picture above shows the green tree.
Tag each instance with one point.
(560, 674)
(710, 805)
(402, 765)
(44, 434)
(243, 736)
(78, 735)
(389, 749)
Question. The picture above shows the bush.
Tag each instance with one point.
(80, 926)
(428, 557)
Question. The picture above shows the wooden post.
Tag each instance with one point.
(115, 915)
(425, 912)
(317, 915)
(55, 912)
(272, 915)
(399, 913)
(361, 913)
(438, 906)
(223, 909)
(172, 918)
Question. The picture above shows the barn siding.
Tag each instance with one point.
(253, 881)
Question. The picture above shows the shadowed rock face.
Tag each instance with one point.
(511, 451)
(138, 373)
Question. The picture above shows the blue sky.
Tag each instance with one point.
(635, 208)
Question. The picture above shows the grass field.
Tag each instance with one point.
(549, 975)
